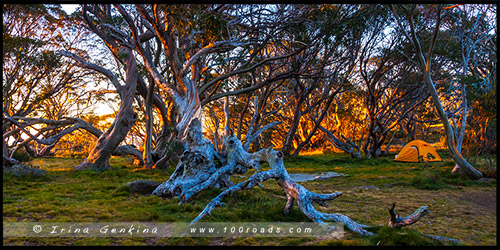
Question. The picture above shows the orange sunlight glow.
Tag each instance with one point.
(313, 152)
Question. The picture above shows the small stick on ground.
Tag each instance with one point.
(397, 222)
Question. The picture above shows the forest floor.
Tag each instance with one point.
(460, 208)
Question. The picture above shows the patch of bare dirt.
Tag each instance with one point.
(482, 198)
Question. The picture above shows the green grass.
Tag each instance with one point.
(387, 236)
(64, 195)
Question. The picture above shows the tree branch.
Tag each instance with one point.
(204, 87)
(94, 67)
(397, 222)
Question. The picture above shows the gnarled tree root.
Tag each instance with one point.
(238, 161)
(196, 173)
(305, 198)
(293, 190)
(193, 169)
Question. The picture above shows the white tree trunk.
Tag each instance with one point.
(293, 190)
(98, 158)
(425, 65)
(195, 166)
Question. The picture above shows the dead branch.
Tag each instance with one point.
(298, 193)
(397, 222)
(293, 190)
(348, 146)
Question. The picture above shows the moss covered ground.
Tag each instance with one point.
(461, 208)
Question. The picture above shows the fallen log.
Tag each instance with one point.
(294, 192)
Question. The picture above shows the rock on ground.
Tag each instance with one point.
(22, 170)
(368, 187)
(311, 177)
(486, 180)
(143, 186)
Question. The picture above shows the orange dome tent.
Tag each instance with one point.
(417, 151)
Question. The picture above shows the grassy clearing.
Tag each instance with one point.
(461, 208)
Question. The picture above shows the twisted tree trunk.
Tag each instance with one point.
(197, 170)
(77, 123)
(6, 159)
(195, 166)
(98, 158)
